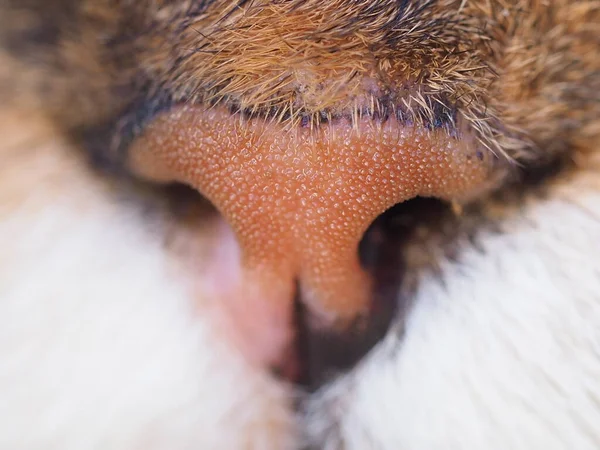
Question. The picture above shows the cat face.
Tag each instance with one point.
(303, 122)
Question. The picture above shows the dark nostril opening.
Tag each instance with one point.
(323, 354)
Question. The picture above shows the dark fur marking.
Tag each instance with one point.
(108, 144)
(49, 19)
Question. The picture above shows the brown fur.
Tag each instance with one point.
(524, 74)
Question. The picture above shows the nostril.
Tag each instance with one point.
(326, 353)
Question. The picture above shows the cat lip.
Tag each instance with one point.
(300, 199)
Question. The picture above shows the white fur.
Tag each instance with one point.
(502, 352)
(101, 347)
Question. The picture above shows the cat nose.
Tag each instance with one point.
(299, 198)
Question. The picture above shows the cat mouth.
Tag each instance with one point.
(297, 202)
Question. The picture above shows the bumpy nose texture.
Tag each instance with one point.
(300, 199)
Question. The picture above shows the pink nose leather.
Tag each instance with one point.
(300, 199)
